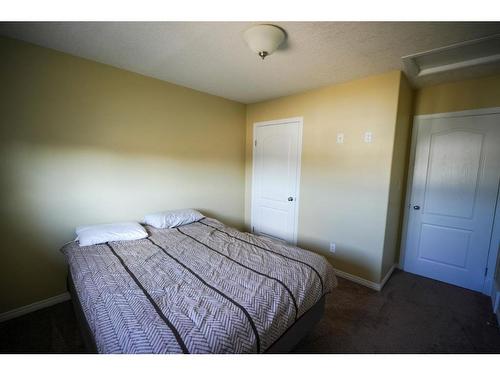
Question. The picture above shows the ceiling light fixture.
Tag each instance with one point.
(264, 39)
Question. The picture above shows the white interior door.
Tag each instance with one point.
(276, 174)
(453, 198)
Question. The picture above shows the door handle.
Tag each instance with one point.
(290, 199)
(416, 207)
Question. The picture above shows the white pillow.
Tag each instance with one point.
(96, 234)
(173, 218)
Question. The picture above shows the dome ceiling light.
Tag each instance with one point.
(264, 39)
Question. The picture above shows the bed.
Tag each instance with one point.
(199, 288)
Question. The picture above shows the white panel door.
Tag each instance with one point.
(276, 178)
(453, 198)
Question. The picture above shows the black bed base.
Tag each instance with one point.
(284, 344)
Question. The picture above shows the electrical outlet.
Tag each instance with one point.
(333, 247)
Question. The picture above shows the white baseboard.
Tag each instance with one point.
(23, 310)
(370, 284)
(66, 296)
(388, 275)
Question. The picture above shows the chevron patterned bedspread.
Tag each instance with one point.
(199, 288)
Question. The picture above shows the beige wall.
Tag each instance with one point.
(82, 142)
(344, 192)
(459, 96)
(399, 168)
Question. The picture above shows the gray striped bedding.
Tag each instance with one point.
(199, 288)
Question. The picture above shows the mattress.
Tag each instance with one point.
(199, 288)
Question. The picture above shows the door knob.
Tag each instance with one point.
(290, 199)
(416, 207)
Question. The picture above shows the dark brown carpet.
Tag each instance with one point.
(411, 315)
(51, 330)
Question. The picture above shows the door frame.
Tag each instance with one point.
(300, 121)
(493, 252)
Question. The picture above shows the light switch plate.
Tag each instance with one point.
(368, 137)
(340, 137)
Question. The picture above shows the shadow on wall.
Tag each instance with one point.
(46, 191)
(474, 93)
(83, 142)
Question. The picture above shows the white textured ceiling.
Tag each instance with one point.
(212, 56)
